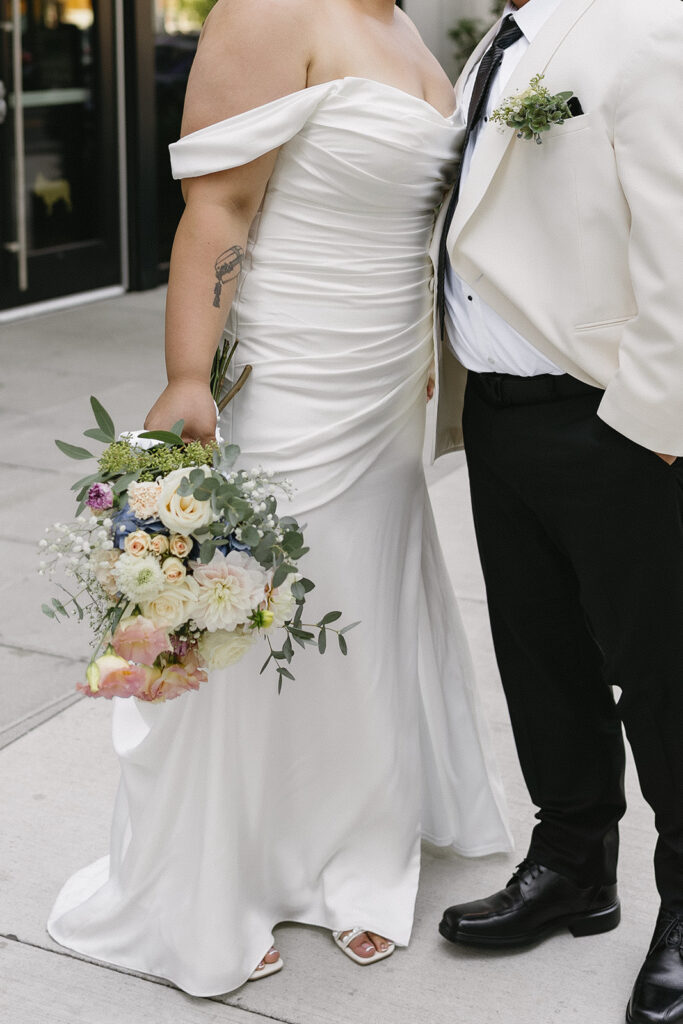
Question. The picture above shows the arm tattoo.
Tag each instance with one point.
(228, 267)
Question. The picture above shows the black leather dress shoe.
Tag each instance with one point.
(658, 993)
(535, 903)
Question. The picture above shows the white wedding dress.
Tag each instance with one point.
(239, 808)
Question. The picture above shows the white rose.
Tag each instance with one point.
(102, 564)
(223, 648)
(173, 606)
(183, 514)
(173, 569)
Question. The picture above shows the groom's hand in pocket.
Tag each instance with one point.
(186, 400)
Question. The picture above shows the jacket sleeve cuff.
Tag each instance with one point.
(659, 434)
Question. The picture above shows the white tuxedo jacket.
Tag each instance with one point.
(578, 242)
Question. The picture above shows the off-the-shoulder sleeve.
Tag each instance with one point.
(243, 138)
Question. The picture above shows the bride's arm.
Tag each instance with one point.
(250, 52)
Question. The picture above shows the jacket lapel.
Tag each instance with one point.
(493, 143)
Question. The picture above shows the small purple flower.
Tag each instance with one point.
(100, 497)
(180, 647)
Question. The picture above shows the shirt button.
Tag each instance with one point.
(469, 298)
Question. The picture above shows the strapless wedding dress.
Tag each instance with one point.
(239, 809)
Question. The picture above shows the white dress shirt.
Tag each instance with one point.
(479, 337)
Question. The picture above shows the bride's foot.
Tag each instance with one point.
(271, 964)
(363, 947)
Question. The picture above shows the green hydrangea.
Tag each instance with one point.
(122, 458)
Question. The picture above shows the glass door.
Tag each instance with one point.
(59, 188)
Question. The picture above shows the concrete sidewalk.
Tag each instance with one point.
(59, 774)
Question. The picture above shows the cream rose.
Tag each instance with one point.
(137, 543)
(223, 648)
(180, 546)
(173, 606)
(183, 514)
(174, 570)
(159, 544)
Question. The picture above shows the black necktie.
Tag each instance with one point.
(508, 34)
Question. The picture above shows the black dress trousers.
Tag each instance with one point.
(580, 532)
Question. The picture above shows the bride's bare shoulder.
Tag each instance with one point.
(269, 15)
(250, 52)
(408, 22)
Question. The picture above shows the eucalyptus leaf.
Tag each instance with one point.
(86, 481)
(322, 640)
(288, 650)
(207, 551)
(123, 482)
(347, 629)
(250, 536)
(298, 590)
(285, 672)
(177, 428)
(73, 451)
(343, 646)
(266, 664)
(48, 611)
(98, 435)
(330, 617)
(165, 436)
(59, 607)
(104, 420)
(300, 634)
(281, 574)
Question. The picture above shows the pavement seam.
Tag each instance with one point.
(10, 937)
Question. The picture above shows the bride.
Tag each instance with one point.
(318, 138)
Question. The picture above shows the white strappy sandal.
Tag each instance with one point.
(264, 970)
(345, 946)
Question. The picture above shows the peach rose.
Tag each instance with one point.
(174, 570)
(159, 544)
(137, 543)
(180, 545)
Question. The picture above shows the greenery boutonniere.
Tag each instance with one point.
(534, 111)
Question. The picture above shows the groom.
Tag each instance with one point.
(560, 290)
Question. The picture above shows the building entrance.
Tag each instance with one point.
(59, 158)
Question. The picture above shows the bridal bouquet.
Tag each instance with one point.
(180, 562)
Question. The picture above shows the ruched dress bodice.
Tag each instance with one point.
(336, 282)
(239, 809)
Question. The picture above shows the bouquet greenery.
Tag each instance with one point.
(181, 562)
(534, 111)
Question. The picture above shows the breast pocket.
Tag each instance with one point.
(570, 127)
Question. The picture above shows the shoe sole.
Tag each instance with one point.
(597, 922)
